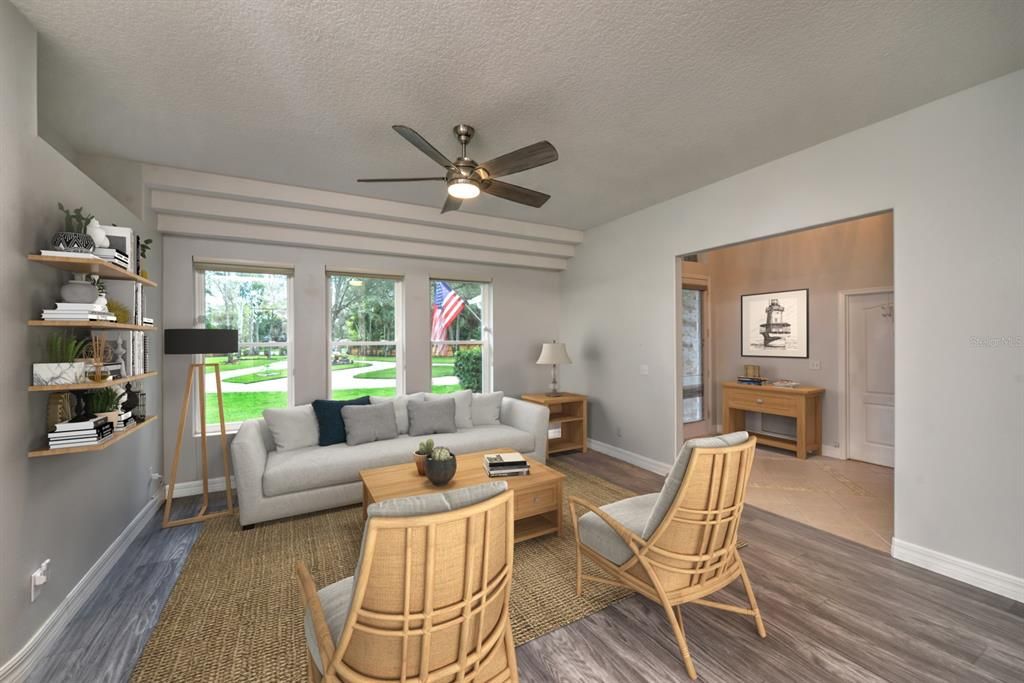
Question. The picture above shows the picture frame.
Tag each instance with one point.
(775, 324)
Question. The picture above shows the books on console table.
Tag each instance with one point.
(506, 464)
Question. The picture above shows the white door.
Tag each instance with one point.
(870, 378)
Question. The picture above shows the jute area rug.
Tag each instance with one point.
(235, 613)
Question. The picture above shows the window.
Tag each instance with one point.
(460, 336)
(257, 303)
(364, 355)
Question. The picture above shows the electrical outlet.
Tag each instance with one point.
(37, 580)
(618, 432)
(815, 365)
(155, 484)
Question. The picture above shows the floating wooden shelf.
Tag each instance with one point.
(92, 385)
(109, 441)
(92, 325)
(92, 266)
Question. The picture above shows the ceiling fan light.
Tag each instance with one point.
(464, 188)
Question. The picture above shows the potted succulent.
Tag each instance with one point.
(420, 456)
(105, 402)
(64, 366)
(74, 237)
(440, 466)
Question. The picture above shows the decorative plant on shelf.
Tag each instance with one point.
(421, 454)
(63, 366)
(74, 237)
(104, 401)
(144, 247)
(440, 466)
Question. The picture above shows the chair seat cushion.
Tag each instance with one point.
(631, 513)
(335, 600)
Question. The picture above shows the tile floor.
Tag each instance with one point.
(847, 498)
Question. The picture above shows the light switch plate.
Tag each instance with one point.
(644, 370)
(815, 365)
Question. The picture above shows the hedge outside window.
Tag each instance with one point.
(365, 358)
(256, 302)
(460, 336)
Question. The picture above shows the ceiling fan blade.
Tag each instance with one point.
(523, 159)
(422, 145)
(515, 193)
(395, 180)
(451, 204)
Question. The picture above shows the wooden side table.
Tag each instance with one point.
(568, 412)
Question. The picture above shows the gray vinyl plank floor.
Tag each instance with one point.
(834, 611)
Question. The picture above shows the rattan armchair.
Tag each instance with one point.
(429, 598)
(680, 545)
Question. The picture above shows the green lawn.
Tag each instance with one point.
(256, 377)
(241, 406)
(244, 362)
(349, 366)
(349, 394)
(437, 370)
(445, 388)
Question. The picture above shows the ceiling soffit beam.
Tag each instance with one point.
(209, 228)
(210, 184)
(182, 204)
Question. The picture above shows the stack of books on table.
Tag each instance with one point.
(80, 432)
(86, 312)
(114, 256)
(506, 465)
(124, 421)
(743, 379)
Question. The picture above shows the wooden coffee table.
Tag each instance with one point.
(538, 495)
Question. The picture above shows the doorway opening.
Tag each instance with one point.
(791, 337)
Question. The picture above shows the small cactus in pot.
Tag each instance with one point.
(421, 454)
(441, 466)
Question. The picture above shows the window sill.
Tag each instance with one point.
(230, 431)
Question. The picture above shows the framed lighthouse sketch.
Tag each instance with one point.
(774, 324)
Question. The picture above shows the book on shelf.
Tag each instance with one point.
(85, 437)
(71, 306)
(54, 314)
(82, 424)
(84, 255)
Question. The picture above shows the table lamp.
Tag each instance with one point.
(195, 342)
(554, 354)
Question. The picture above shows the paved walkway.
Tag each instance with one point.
(340, 379)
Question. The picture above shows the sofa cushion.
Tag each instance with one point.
(328, 417)
(336, 601)
(631, 513)
(401, 405)
(675, 476)
(306, 469)
(432, 417)
(486, 408)
(432, 503)
(293, 427)
(364, 424)
(463, 406)
(484, 438)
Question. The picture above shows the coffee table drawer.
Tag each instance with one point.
(535, 501)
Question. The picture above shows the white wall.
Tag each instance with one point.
(525, 314)
(68, 508)
(953, 171)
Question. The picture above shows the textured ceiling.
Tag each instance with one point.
(644, 100)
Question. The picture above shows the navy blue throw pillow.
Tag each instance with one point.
(328, 417)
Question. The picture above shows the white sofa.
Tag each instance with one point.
(273, 484)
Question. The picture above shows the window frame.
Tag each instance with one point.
(486, 343)
(199, 309)
(399, 342)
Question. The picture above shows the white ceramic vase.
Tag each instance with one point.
(97, 233)
(79, 292)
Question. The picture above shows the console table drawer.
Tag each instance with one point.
(530, 502)
(758, 402)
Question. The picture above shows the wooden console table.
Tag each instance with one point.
(802, 403)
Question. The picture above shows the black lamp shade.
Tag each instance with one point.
(194, 342)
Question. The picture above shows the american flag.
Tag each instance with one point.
(447, 306)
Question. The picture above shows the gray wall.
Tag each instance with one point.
(953, 172)
(525, 314)
(67, 508)
(850, 255)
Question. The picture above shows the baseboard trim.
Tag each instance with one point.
(21, 664)
(632, 458)
(194, 488)
(832, 452)
(992, 580)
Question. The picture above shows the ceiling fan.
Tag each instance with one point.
(466, 179)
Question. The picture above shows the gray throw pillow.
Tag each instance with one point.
(293, 427)
(463, 407)
(364, 424)
(432, 417)
(401, 412)
(486, 408)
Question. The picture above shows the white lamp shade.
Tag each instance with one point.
(554, 354)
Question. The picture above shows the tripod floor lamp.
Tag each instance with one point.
(194, 342)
